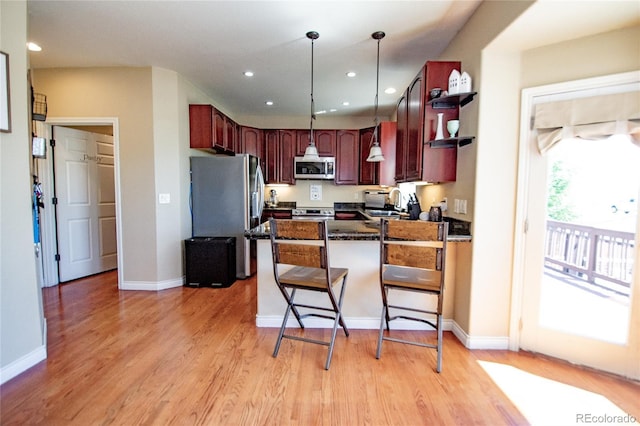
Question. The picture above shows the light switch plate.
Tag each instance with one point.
(164, 198)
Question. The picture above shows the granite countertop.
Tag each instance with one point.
(355, 230)
(282, 205)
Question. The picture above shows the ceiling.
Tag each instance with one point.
(211, 43)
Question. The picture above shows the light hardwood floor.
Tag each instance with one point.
(194, 356)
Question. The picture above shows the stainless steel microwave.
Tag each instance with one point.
(323, 168)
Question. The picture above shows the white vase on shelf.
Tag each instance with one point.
(452, 127)
(439, 131)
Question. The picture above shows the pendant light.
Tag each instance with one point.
(311, 153)
(375, 153)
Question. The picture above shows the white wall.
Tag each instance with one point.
(500, 71)
(22, 328)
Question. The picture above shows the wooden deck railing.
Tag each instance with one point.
(590, 253)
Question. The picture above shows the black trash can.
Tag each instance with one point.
(210, 261)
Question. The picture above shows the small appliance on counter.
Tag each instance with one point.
(377, 200)
(435, 214)
(273, 199)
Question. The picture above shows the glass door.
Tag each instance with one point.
(580, 263)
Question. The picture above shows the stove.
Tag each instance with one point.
(313, 213)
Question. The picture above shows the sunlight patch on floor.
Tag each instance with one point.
(547, 402)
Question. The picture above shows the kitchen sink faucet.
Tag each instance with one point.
(398, 201)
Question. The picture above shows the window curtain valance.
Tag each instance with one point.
(588, 118)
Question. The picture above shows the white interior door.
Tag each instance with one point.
(85, 188)
(565, 312)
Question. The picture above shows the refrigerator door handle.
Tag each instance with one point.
(260, 189)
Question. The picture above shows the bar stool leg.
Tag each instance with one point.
(382, 321)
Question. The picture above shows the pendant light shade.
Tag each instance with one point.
(311, 153)
(375, 153)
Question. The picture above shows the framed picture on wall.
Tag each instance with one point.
(5, 107)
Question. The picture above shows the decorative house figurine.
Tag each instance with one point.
(465, 83)
(454, 82)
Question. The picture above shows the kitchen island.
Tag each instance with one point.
(353, 244)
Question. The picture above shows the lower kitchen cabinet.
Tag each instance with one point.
(276, 214)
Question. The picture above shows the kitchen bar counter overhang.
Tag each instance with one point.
(354, 230)
(354, 244)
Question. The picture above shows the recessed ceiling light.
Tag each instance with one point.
(390, 90)
(269, 103)
(248, 73)
(351, 74)
(321, 111)
(345, 103)
(33, 47)
(332, 110)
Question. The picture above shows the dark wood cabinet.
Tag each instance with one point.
(201, 126)
(415, 125)
(416, 160)
(325, 141)
(387, 138)
(229, 140)
(347, 157)
(401, 139)
(410, 131)
(211, 129)
(279, 150)
(368, 171)
(379, 173)
(276, 214)
(251, 141)
(219, 130)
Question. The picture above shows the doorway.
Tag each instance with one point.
(81, 234)
(576, 274)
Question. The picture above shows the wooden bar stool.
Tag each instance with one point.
(301, 262)
(412, 259)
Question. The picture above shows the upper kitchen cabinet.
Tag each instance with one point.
(211, 129)
(251, 141)
(325, 141)
(368, 171)
(378, 173)
(201, 131)
(417, 122)
(401, 140)
(347, 157)
(279, 150)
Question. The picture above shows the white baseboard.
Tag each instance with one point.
(480, 342)
(23, 364)
(470, 342)
(152, 285)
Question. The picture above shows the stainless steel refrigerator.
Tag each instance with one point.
(227, 197)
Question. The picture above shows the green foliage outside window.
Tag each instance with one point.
(558, 208)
